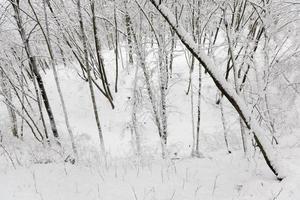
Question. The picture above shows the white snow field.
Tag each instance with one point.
(30, 172)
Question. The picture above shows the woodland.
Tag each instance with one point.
(97, 93)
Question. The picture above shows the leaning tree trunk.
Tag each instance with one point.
(100, 61)
(163, 76)
(227, 90)
(34, 67)
(134, 120)
(88, 70)
(225, 131)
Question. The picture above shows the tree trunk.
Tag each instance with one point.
(197, 152)
(129, 34)
(134, 112)
(11, 113)
(163, 76)
(88, 70)
(225, 131)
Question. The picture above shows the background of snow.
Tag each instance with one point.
(217, 176)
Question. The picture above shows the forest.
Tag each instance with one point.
(149, 99)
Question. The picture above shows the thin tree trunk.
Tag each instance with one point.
(41, 111)
(88, 70)
(55, 74)
(163, 76)
(191, 90)
(134, 112)
(11, 113)
(129, 34)
(224, 125)
(173, 41)
(197, 152)
(100, 61)
(236, 81)
(116, 48)
(197, 38)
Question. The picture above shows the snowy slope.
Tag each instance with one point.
(115, 122)
(217, 176)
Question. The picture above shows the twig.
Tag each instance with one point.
(133, 190)
(215, 184)
(277, 194)
(8, 155)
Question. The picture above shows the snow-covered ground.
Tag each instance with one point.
(216, 176)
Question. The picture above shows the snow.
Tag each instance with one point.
(218, 176)
(31, 171)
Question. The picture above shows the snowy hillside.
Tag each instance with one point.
(149, 100)
(218, 175)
